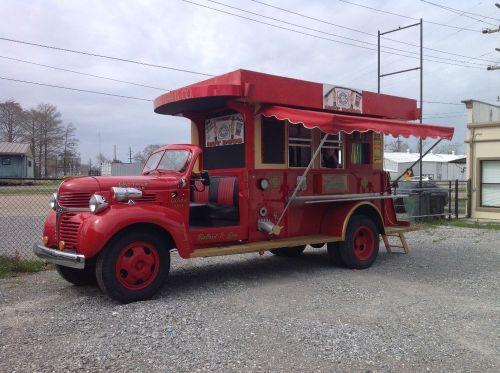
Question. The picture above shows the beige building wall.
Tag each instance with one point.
(483, 143)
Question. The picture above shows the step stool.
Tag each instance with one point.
(402, 239)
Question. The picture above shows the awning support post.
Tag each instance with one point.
(302, 179)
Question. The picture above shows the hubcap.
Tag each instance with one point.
(137, 265)
(364, 243)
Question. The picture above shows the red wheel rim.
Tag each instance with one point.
(137, 266)
(364, 243)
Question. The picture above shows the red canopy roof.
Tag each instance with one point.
(335, 123)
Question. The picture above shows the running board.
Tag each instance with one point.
(263, 245)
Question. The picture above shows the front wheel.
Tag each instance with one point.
(78, 277)
(360, 248)
(133, 267)
(289, 252)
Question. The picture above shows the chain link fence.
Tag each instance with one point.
(446, 199)
(24, 204)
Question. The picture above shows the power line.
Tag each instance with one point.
(81, 73)
(364, 32)
(336, 41)
(446, 116)
(105, 56)
(443, 103)
(340, 36)
(447, 113)
(463, 13)
(75, 89)
(139, 98)
(408, 17)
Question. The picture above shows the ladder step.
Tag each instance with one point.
(389, 246)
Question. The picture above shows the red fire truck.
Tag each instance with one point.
(274, 164)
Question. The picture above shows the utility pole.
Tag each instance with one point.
(114, 152)
(491, 31)
(130, 154)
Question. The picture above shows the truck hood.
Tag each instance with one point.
(76, 192)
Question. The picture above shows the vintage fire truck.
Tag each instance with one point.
(274, 164)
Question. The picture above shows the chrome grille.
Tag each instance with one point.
(74, 199)
(68, 230)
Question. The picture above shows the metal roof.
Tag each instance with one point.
(403, 157)
(15, 148)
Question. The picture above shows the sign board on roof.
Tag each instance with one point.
(342, 99)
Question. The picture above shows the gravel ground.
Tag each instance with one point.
(437, 309)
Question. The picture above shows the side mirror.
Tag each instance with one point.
(205, 179)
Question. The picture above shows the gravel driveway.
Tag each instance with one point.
(437, 309)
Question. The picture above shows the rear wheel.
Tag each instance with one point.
(289, 252)
(360, 248)
(334, 254)
(78, 277)
(133, 267)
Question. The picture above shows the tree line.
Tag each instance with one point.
(53, 144)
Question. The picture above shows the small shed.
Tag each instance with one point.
(435, 166)
(16, 160)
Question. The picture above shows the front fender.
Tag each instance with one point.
(98, 229)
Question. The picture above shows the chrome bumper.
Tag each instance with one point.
(59, 257)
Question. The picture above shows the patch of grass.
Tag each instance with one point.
(12, 266)
(466, 224)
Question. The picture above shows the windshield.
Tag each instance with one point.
(168, 160)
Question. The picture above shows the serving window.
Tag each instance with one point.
(332, 152)
(299, 145)
(273, 141)
(360, 147)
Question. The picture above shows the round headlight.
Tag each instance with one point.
(97, 203)
(53, 201)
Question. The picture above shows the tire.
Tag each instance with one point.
(134, 266)
(360, 248)
(289, 252)
(334, 254)
(78, 277)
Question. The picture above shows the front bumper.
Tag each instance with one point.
(63, 258)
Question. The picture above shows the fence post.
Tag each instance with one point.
(449, 200)
(456, 198)
(469, 198)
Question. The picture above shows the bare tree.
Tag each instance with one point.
(50, 134)
(449, 147)
(70, 149)
(32, 135)
(142, 156)
(396, 145)
(12, 118)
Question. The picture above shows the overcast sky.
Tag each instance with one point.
(182, 35)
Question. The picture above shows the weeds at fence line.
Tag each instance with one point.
(11, 266)
(461, 223)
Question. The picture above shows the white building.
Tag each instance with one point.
(483, 159)
(434, 166)
(121, 169)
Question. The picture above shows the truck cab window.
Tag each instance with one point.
(299, 145)
(331, 152)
